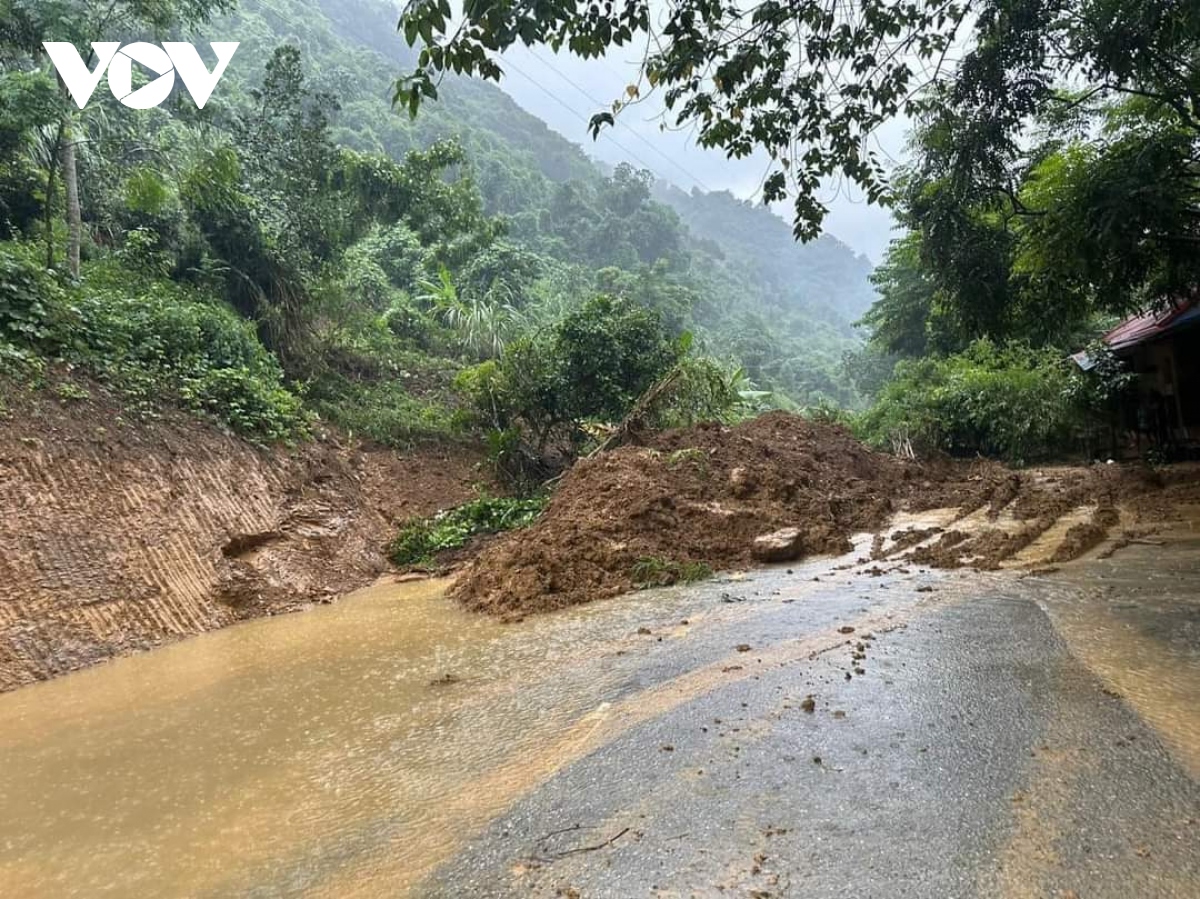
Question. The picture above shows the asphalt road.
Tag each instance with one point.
(985, 748)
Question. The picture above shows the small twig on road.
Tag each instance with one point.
(598, 846)
(556, 856)
(561, 830)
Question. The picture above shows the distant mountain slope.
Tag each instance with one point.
(739, 259)
(825, 273)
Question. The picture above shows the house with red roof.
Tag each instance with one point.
(1162, 347)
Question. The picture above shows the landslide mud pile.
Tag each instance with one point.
(1058, 515)
(703, 495)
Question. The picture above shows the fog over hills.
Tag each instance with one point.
(564, 91)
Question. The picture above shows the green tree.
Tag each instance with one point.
(609, 352)
(900, 319)
(593, 365)
(29, 22)
(807, 83)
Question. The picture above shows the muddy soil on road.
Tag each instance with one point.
(121, 533)
(703, 495)
(935, 733)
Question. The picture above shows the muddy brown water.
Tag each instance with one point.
(350, 750)
(309, 751)
(1134, 620)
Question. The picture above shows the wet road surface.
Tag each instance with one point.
(818, 731)
(977, 754)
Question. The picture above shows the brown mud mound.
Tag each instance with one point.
(782, 487)
(1086, 535)
(703, 495)
(119, 534)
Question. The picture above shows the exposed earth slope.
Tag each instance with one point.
(122, 534)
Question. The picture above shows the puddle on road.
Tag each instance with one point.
(1134, 620)
(304, 753)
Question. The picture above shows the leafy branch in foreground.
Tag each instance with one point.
(806, 81)
(423, 538)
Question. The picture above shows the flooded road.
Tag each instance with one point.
(392, 744)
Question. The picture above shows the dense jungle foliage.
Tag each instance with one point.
(1054, 188)
(299, 251)
(1053, 180)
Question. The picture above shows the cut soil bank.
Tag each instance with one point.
(702, 496)
(119, 535)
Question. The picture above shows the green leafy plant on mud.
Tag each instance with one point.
(421, 539)
(654, 571)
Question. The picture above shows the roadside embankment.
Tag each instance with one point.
(122, 533)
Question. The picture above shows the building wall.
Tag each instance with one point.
(1169, 386)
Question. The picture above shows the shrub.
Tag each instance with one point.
(421, 539)
(20, 363)
(607, 354)
(594, 364)
(385, 411)
(27, 294)
(250, 404)
(652, 571)
(1007, 401)
(703, 389)
(150, 339)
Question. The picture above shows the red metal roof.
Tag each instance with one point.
(1151, 325)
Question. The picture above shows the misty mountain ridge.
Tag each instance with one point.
(752, 283)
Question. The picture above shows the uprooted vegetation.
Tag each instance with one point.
(421, 539)
(697, 499)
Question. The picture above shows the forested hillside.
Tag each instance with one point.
(300, 251)
(782, 309)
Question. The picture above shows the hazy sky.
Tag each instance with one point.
(565, 91)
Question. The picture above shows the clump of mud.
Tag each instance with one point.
(1026, 520)
(702, 495)
(1086, 535)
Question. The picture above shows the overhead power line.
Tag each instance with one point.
(580, 115)
(574, 112)
(671, 162)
